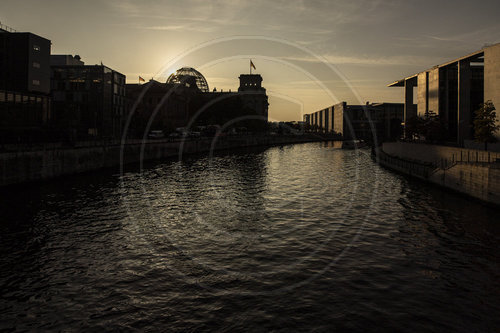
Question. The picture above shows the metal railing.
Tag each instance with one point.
(469, 157)
(425, 169)
(417, 168)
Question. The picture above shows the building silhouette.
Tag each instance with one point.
(254, 95)
(189, 77)
(88, 101)
(24, 86)
(185, 100)
(58, 98)
(164, 106)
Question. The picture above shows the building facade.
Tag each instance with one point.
(371, 122)
(454, 91)
(24, 86)
(24, 62)
(157, 106)
(185, 101)
(88, 101)
(254, 99)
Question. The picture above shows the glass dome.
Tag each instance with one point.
(186, 74)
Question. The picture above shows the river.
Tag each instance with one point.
(291, 238)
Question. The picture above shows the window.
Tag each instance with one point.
(36, 64)
(36, 82)
(36, 48)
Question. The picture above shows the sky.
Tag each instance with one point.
(311, 54)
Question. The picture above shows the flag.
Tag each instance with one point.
(141, 79)
(252, 65)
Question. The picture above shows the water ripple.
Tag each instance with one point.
(303, 237)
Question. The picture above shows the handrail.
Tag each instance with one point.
(428, 169)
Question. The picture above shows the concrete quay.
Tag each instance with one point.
(472, 172)
(54, 160)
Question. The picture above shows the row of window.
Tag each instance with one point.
(20, 98)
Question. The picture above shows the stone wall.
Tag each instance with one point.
(41, 164)
(481, 181)
(471, 172)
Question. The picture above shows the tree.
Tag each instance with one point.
(428, 127)
(433, 127)
(485, 123)
(413, 128)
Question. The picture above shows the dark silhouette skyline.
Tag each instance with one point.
(370, 42)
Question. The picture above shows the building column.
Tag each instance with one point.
(410, 110)
(326, 120)
(492, 79)
(332, 119)
(445, 98)
(464, 112)
(423, 93)
(320, 116)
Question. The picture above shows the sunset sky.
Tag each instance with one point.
(311, 54)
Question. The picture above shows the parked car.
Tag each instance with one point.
(194, 134)
(156, 134)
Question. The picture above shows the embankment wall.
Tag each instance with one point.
(45, 163)
(468, 171)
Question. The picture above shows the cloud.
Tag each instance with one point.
(292, 17)
(387, 60)
(180, 28)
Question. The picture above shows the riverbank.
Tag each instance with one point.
(468, 171)
(42, 162)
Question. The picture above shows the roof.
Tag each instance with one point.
(401, 83)
(474, 56)
(99, 67)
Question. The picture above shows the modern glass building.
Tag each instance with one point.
(454, 91)
(88, 101)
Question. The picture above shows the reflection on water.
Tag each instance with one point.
(294, 237)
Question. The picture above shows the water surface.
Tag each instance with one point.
(299, 237)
